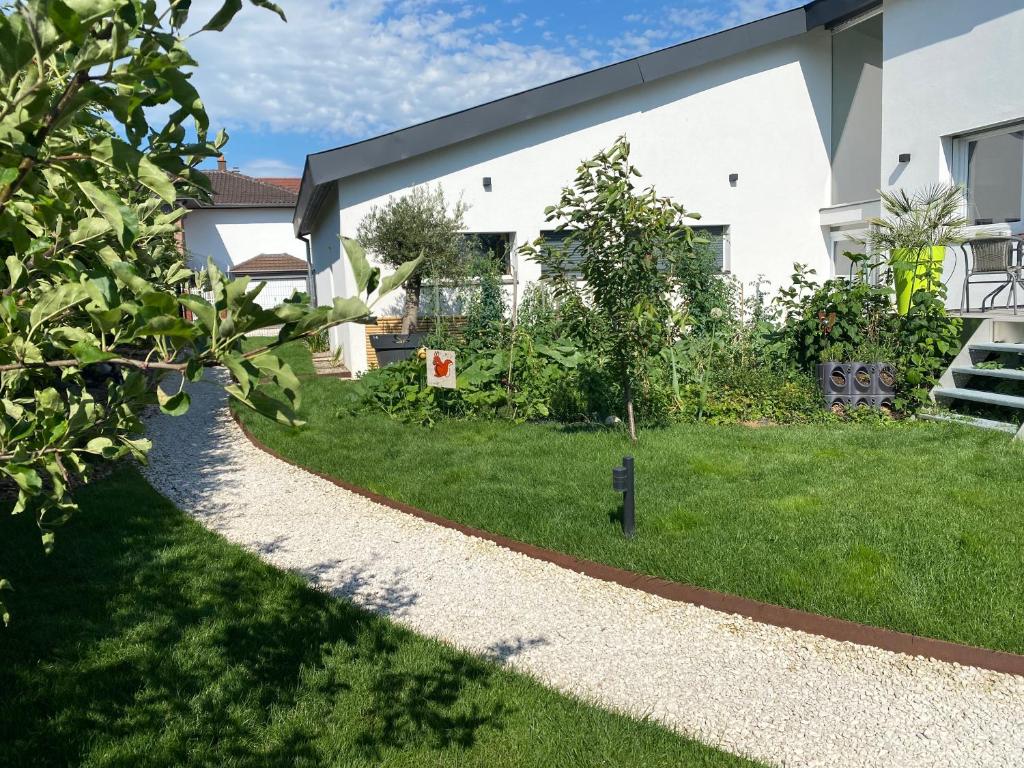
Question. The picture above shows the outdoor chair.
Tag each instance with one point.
(993, 261)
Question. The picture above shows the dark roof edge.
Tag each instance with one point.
(333, 164)
(825, 13)
(195, 206)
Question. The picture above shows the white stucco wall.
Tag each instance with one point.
(764, 115)
(950, 67)
(233, 235)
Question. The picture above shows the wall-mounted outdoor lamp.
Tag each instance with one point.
(622, 482)
(733, 178)
(487, 183)
(905, 157)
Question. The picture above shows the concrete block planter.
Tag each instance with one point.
(853, 384)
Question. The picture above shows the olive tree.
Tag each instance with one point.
(96, 321)
(625, 244)
(416, 225)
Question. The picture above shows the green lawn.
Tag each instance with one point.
(146, 640)
(918, 528)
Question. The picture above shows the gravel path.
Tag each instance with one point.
(778, 695)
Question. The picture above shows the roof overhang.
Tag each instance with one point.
(323, 169)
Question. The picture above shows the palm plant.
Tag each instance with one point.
(915, 232)
(931, 217)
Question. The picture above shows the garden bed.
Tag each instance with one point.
(910, 527)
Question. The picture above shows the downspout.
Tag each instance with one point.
(310, 277)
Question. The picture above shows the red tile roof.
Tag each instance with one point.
(292, 185)
(236, 190)
(270, 263)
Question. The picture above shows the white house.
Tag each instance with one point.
(247, 230)
(779, 132)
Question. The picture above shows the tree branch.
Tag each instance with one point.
(128, 362)
(55, 113)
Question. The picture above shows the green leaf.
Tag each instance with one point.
(201, 308)
(388, 283)
(108, 206)
(15, 268)
(88, 354)
(270, 6)
(53, 302)
(89, 228)
(360, 265)
(26, 478)
(173, 405)
(347, 310)
(224, 16)
(103, 446)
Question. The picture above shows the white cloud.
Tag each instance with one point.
(341, 70)
(353, 68)
(268, 166)
(675, 24)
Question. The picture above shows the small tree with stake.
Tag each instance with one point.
(414, 225)
(626, 244)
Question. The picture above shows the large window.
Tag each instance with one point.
(717, 245)
(496, 245)
(992, 167)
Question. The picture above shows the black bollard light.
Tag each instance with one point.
(622, 481)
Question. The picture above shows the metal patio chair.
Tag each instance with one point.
(994, 261)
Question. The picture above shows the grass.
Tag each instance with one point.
(145, 640)
(916, 527)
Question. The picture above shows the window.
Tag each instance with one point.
(555, 240)
(717, 245)
(497, 245)
(991, 165)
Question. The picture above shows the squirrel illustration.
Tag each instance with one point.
(441, 367)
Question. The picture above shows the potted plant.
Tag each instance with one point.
(419, 223)
(915, 233)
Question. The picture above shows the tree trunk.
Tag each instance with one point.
(411, 307)
(630, 419)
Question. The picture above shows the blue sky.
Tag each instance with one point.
(344, 70)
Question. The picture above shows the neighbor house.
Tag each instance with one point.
(780, 133)
(246, 228)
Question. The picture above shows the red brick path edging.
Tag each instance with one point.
(766, 613)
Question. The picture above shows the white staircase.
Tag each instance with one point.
(965, 383)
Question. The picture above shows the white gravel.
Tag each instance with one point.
(777, 695)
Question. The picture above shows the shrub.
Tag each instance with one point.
(859, 319)
(519, 382)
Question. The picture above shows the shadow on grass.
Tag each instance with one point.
(144, 638)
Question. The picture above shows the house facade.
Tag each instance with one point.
(246, 228)
(780, 133)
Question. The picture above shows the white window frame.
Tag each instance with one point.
(961, 172)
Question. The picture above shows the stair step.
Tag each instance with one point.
(998, 347)
(976, 396)
(1011, 374)
(970, 421)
